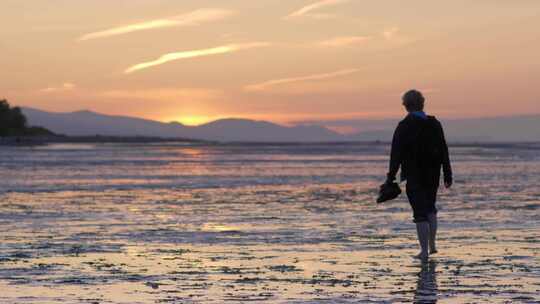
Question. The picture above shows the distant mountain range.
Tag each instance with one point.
(87, 123)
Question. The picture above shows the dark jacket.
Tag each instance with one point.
(403, 154)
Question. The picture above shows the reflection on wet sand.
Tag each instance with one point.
(259, 226)
(287, 245)
(426, 288)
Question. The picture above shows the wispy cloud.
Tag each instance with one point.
(390, 33)
(230, 48)
(163, 94)
(190, 19)
(309, 9)
(264, 85)
(67, 86)
(395, 37)
(344, 41)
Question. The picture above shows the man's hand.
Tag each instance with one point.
(389, 179)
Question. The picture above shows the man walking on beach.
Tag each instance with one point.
(420, 149)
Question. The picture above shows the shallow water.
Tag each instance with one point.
(280, 224)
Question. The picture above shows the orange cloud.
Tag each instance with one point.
(191, 19)
(390, 33)
(64, 87)
(344, 41)
(164, 94)
(264, 85)
(195, 53)
(308, 9)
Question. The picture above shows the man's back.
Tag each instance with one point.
(419, 148)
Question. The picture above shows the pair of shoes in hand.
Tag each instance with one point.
(388, 191)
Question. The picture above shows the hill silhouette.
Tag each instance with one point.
(87, 123)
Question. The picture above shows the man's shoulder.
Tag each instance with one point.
(411, 120)
(434, 120)
(407, 119)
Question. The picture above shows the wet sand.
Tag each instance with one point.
(288, 245)
(273, 242)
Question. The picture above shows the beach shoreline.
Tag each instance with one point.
(175, 223)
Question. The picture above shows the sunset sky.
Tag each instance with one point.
(284, 61)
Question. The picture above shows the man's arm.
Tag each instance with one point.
(396, 153)
(447, 167)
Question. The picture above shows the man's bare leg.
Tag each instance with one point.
(432, 218)
(422, 228)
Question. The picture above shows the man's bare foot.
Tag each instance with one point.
(423, 256)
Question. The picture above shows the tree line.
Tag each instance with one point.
(14, 123)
